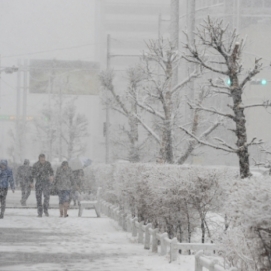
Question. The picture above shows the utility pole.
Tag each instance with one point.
(107, 120)
(18, 112)
(25, 71)
(60, 124)
(174, 33)
(50, 132)
(159, 26)
(238, 16)
(191, 18)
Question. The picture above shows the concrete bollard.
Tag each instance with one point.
(134, 230)
(120, 213)
(212, 264)
(154, 241)
(198, 266)
(140, 233)
(147, 243)
(173, 250)
(123, 219)
(164, 244)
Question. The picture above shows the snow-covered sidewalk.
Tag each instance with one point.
(88, 243)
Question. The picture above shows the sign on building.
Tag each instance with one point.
(67, 77)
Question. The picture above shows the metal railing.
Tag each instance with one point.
(160, 242)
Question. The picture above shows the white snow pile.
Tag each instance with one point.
(196, 204)
(248, 239)
(178, 199)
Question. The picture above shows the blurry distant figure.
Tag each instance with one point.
(25, 179)
(63, 183)
(43, 173)
(6, 179)
(77, 185)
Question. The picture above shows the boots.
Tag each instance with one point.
(61, 210)
(65, 207)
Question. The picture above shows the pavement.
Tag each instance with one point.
(29, 243)
(13, 200)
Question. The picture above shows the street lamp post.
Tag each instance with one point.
(8, 70)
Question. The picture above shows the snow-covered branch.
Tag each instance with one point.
(206, 143)
(149, 129)
(209, 110)
(265, 104)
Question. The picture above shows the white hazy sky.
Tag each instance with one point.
(29, 26)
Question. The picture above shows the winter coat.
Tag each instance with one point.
(63, 180)
(6, 176)
(24, 174)
(42, 172)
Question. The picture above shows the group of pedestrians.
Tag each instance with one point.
(66, 182)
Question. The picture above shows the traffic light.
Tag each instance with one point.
(228, 82)
(262, 82)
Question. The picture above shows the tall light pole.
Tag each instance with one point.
(191, 18)
(174, 33)
(107, 121)
(25, 88)
(18, 110)
(7, 70)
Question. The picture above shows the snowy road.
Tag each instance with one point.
(88, 243)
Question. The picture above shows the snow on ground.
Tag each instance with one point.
(52, 243)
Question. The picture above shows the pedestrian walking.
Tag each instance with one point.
(63, 184)
(43, 173)
(25, 179)
(6, 179)
(77, 185)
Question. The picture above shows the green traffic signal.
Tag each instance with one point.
(263, 82)
(229, 82)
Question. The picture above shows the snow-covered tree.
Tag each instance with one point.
(72, 128)
(46, 131)
(124, 105)
(216, 40)
(248, 239)
(159, 97)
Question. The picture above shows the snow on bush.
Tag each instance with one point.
(248, 238)
(191, 203)
(176, 199)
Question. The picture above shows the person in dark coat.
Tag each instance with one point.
(63, 183)
(25, 179)
(43, 173)
(6, 179)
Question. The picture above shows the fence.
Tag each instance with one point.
(150, 237)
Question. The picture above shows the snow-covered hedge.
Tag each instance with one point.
(248, 238)
(191, 202)
(176, 199)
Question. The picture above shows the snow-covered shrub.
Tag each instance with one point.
(102, 175)
(176, 199)
(248, 238)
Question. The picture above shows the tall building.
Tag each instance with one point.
(130, 23)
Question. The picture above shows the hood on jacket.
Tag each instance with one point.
(4, 162)
(26, 162)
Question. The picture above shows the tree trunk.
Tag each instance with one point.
(167, 142)
(202, 231)
(134, 151)
(189, 233)
(241, 131)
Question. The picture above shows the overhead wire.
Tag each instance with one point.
(52, 50)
